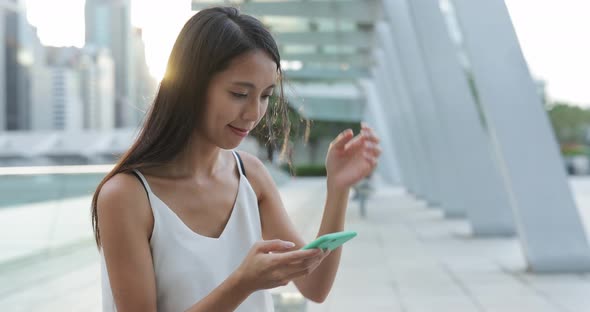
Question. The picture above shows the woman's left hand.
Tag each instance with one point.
(350, 159)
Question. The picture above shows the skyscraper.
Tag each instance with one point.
(18, 39)
(57, 104)
(145, 84)
(97, 79)
(75, 90)
(108, 25)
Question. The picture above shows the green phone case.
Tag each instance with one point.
(331, 241)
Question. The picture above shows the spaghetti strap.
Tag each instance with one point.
(240, 163)
(143, 180)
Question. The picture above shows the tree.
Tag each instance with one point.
(570, 122)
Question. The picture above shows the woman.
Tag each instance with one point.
(183, 222)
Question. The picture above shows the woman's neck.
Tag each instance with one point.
(199, 159)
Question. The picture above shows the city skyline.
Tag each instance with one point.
(158, 37)
(549, 33)
(103, 84)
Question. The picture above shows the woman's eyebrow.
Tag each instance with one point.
(249, 84)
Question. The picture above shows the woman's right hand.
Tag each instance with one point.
(270, 264)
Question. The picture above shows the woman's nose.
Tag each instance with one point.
(252, 110)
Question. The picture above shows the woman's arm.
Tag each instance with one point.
(319, 283)
(125, 223)
(226, 297)
(349, 160)
(276, 224)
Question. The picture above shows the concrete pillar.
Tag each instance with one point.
(414, 160)
(548, 222)
(376, 117)
(428, 113)
(478, 175)
(2, 69)
(393, 115)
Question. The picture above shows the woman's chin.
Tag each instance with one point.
(229, 144)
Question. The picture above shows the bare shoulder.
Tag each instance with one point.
(122, 200)
(251, 161)
(257, 174)
(125, 223)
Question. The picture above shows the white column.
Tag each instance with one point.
(548, 222)
(404, 126)
(478, 175)
(445, 163)
(2, 69)
(392, 114)
(388, 164)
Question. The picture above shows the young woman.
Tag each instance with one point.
(183, 222)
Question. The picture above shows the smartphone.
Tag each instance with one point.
(330, 241)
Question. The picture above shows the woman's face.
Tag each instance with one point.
(237, 99)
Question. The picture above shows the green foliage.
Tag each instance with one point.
(308, 170)
(322, 129)
(279, 126)
(569, 122)
(574, 150)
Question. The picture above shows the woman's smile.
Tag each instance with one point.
(239, 131)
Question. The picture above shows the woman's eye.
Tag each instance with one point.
(266, 96)
(239, 95)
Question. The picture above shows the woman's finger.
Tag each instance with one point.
(295, 256)
(356, 143)
(303, 267)
(373, 149)
(371, 160)
(344, 137)
(372, 136)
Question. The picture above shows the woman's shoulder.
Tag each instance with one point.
(121, 186)
(256, 171)
(123, 200)
(251, 161)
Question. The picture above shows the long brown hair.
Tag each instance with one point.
(206, 45)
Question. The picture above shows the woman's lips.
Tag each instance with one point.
(238, 131)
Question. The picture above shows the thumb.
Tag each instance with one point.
(343, 138)
(275, 245)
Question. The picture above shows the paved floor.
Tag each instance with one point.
(407, 257)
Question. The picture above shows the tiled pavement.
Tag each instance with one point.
(407, 257)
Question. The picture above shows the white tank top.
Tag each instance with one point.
(188, 266)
